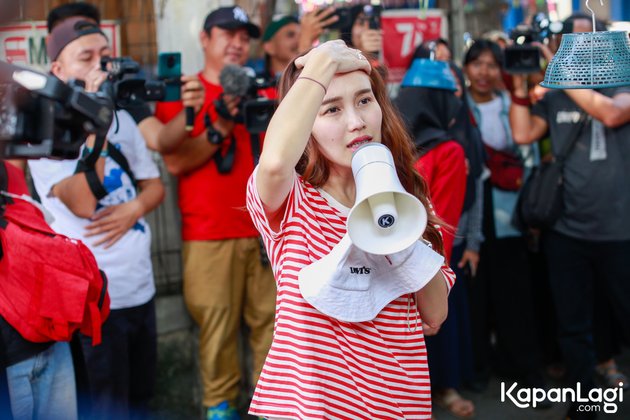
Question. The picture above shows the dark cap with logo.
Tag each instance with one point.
(231, 18)
(66, 32)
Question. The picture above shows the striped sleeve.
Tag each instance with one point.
(447, 272)
(449, 276)
(272, 238)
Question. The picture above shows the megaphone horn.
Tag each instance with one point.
(385, 218)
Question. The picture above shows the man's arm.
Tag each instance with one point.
(189, 153)
(192, 94)
(612, 112)
(526, 128)
(74, 191)
(114, 221)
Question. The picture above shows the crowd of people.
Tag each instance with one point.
(487, 295)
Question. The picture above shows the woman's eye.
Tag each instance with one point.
(331, 110)
(365, 100)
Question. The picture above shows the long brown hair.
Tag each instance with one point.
(315, 168)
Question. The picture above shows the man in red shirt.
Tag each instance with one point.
(225, 278)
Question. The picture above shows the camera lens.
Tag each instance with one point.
(170, 62)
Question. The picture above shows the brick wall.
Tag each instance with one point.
(137, 20)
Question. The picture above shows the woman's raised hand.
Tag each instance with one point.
(338, 53)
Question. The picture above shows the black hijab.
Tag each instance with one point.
(428, 114)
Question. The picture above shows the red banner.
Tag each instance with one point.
(403, 31)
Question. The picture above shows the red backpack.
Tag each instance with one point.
(50, 285)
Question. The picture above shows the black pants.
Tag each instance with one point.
(502, 302)
(121, 370)
(576, 268)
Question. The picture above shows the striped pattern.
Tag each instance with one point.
(319, 367)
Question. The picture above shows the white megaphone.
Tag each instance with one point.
(385, 218)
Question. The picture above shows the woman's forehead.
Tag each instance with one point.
(355, 80)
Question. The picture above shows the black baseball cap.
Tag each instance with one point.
(231, 18)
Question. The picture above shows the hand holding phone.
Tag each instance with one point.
(170, 72)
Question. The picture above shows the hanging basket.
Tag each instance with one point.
(590, 60)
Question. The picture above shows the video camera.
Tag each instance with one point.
(255, 111)
(522, 57)
(40, 116)
(123, 90)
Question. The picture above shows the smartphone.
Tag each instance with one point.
(373, 14)
(344, 19)
(170, 72)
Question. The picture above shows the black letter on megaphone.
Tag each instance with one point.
(385, 218)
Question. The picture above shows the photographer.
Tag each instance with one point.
(363, 32)
(149, 125)
(107, 214)
(587, 247)
(286, 37)
(225, 278)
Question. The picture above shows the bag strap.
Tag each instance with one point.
(4, 186)
(225, 162)
(254, 139)
(574, 135)
(122, 161)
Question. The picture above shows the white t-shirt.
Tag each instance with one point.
(492, 130)
(127, 263)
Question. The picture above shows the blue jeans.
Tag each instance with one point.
(42, 387)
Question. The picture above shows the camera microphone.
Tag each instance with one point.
(236, 80)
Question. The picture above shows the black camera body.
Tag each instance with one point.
(522, 57)
(40, 116)
(255, 109)
(123, 90)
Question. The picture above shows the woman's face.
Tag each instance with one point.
(483, 73)
(348, 117)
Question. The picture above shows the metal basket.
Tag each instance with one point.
(590, 60)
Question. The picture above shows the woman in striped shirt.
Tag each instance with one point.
(299, 197)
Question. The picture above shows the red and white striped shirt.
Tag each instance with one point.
(319, 367)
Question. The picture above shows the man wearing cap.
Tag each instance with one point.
(588, 246)
(106, 211)
(225, 276)
(285, 37)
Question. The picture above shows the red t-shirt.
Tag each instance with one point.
(212, 204)
(444, 169)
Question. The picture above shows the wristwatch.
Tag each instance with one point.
(214, 136)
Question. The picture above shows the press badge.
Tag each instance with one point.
(598, 141)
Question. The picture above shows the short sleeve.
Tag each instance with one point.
(46, 173)
(258, 214)
(141, 161)
(541, 108)
(449, 276)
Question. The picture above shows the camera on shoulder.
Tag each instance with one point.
(523, 57)
(40, 116)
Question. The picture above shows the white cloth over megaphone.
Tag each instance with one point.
(385, 218)
(352, 285)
